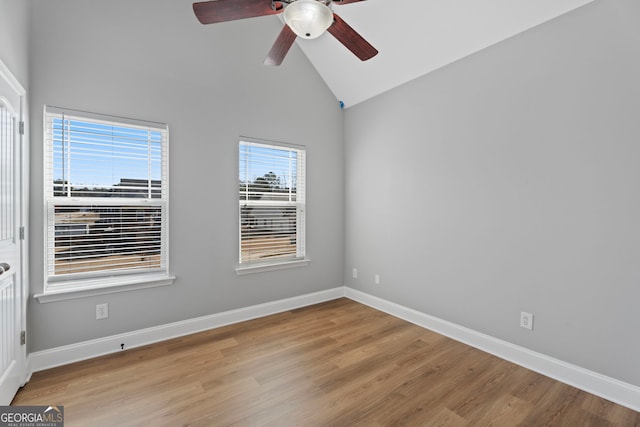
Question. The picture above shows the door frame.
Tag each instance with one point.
(23, 200)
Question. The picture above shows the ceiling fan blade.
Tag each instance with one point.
(281, 46)
(345, 1)
(351, 39)
(211, 12)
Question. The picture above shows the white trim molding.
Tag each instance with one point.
(64, 355)
(592, 382)
(261, 268)
(8, 76)
(105, 286)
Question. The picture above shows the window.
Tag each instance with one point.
(106, 200)
(272, 205)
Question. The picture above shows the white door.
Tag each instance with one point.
(12, 309)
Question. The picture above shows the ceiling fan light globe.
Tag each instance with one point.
(308, 18)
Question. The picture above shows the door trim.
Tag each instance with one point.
(23, 239)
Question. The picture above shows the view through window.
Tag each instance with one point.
(272, 201)
(106, 196)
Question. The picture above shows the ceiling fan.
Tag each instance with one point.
(303, 18)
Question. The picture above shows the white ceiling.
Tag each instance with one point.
(415, 37)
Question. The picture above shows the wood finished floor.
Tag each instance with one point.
(338, 363)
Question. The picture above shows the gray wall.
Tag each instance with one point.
(14, 38)
(151, 59)
(510, 181)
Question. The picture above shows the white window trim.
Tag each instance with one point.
(59, 289)
(243, 269)
(71, 290)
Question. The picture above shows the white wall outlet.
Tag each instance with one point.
(355, 273)
(526, 320)
(376, 279)
(102, 311)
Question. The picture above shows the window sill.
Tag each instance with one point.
(259, 268)
(88, 288)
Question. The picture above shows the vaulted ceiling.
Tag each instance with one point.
(415, 37)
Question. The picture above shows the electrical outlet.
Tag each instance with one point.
(526, 320)
(102, 311)
(355, 273)
(376, 279)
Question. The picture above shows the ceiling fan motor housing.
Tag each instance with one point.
(279, 4)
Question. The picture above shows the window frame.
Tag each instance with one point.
(80, 284)
(300, 259)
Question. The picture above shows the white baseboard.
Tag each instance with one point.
(592, 382)
(600, 385)
(41, 360)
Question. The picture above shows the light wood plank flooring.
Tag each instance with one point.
(338, 363)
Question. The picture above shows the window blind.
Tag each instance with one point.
(272, 202)
(106, 195)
